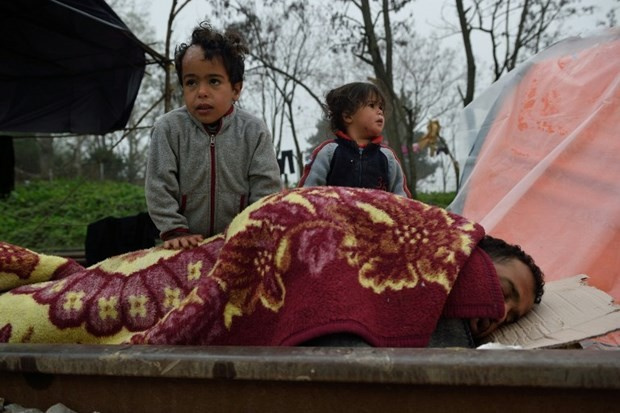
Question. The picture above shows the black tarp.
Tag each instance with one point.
(66, 66)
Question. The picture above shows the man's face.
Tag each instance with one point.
(517, 282)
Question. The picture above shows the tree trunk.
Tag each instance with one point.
(383, 73)
(46, 158)
(469, 54)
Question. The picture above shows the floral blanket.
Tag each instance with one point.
(294, 266)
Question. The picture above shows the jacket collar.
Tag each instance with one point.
(221, 124)
(376, 140)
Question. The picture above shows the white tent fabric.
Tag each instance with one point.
(544, 166)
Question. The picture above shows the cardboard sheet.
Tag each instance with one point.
(570, 311)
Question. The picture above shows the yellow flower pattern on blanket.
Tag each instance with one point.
(73, 301)
(107, 302)
(372, 235)
(276, 250)
(108, 308)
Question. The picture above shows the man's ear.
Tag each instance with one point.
(237, 90)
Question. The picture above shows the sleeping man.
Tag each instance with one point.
(520, 279)
(293, 268)
(522, 285)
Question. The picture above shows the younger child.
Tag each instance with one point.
(356, 157)
(208, 159)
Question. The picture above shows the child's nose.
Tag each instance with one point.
(203, 89)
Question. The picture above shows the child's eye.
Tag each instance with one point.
(215, 82)
(190, 82)
(375, 105)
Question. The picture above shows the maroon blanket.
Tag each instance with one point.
(294, 266)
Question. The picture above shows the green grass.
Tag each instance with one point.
(54, 215)
(44, 215)
(441, 199)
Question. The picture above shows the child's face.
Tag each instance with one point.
(367, 122)
(207, 91)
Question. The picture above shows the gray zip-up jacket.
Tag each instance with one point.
(196, 183)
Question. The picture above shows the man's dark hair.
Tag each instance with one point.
(347, 99)
(229, 46)
(501, 251)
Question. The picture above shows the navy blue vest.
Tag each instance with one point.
(358, 167)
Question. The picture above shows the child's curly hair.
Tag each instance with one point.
(229, 46)
(347, 99)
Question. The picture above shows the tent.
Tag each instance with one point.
(67, 66)
(543, 169)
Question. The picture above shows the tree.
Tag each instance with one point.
(175, 9)
(375, 48)
(156, 94)
(116, 155)
(426, 74)
(46, 156)
(283, 59)
(27, 154)
(150, 103)
(514, 30)
(415, 86)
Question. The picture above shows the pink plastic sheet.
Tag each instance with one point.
(544, 165)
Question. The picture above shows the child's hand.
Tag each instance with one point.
(183, 242)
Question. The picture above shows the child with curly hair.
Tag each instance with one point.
(209, 159)
(356, 157)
